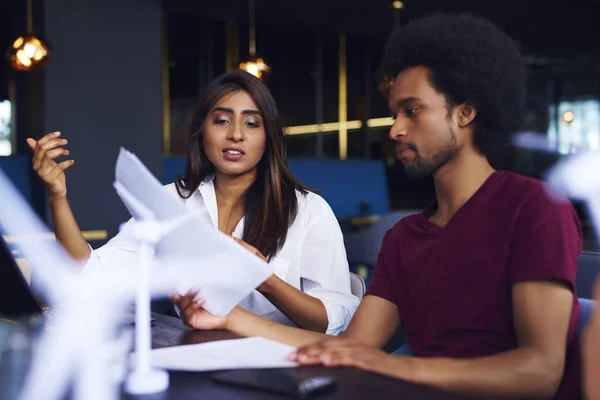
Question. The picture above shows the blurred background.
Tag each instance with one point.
(111, 73)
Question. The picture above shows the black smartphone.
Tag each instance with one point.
(282, 381)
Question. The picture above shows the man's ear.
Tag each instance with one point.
(466, 114)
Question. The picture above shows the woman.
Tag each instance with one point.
(237, 179)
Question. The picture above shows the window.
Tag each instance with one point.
(5, 128)
(575, 126)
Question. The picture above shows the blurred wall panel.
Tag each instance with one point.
(103, 90)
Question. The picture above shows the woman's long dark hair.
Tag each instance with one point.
(270, 203)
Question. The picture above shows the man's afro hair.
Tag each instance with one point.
(470, 60)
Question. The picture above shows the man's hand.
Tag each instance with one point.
(193, 313)
(339, 352)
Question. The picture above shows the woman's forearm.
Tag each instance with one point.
(246, 323)
(67, 231)
(305, 311)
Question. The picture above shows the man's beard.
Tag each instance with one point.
(420, 167)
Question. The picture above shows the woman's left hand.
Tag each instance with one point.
(251, 249)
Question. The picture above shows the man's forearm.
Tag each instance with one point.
(520, 373)
(246, 323)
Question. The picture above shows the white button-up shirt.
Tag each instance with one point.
(312, 259)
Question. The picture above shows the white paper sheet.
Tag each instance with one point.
(254, 352)
(225, 271)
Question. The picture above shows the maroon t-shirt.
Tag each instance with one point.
(452, 285)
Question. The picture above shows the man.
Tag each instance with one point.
(483, 278)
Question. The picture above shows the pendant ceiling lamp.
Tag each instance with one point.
(28, 52)
(254, 64)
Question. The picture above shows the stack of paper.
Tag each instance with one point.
(254, 352)
(195, 253)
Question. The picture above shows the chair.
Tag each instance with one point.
(588, 266)
(357, 285)
(362, 247)
(404, 350)
(586, 307)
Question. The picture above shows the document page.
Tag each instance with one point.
(203, 256)
(253, 352)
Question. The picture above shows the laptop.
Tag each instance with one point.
(16, 298)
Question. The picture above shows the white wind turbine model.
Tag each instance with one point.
(91, 305)
(578, 177)
(86, 316)
(148, 232)
(162, 227)
(575, 176)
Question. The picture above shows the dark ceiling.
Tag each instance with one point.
(552, 31)
(559, 27)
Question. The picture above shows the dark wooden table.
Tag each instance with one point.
(351, 383)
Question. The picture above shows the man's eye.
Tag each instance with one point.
(410, 112)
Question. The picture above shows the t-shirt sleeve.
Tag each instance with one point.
(381, 284)
(547, 241)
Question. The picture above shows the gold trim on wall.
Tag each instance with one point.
(87, 235)
(335, 126)
(380, 122)
(166, 102)
(232, 52)
(343, 104)
(326, 127)
(95, 235)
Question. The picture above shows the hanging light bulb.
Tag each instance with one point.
(28, 51)
(254, 64)
(397, 6)
(569, 117)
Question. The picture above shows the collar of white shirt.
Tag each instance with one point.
(209, 198)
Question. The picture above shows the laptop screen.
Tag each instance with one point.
(16, 299)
